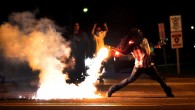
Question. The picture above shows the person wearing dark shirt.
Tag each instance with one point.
(79, 45)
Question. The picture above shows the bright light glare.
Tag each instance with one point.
(85, 9)
(192, 27)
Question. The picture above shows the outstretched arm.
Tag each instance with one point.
(117, 51)
(106, 27)
(93, 29)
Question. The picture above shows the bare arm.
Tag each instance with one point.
(93, 29)
(106, 27)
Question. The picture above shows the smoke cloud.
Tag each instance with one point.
(36, 41)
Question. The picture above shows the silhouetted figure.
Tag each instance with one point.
(137, 44)
(79, 45)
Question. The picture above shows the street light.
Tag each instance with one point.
(192, 27)
(85, 10)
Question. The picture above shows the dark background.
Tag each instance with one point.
(120, 17)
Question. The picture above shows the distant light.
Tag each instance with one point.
(192, 27)
(194, 46)
(85, 10)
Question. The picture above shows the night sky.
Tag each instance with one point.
(120, 15)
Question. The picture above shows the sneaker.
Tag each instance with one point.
(170, 95)
(109, 94)
(168, 92)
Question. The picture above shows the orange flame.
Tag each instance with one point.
(54, 86)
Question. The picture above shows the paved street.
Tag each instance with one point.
(144, 94)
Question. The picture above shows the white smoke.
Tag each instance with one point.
(39, 42)
(36, 41)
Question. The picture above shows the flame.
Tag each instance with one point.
(117, 53)
(131, 42)
(54, 86)
(39, 43)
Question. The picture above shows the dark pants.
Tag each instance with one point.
(78, 74)
(103, 64)
(151, 71)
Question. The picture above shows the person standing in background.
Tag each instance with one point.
(80, 48)
(99, 35)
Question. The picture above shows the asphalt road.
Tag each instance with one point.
(144, 94)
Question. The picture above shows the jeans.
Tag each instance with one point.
(136, 72)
